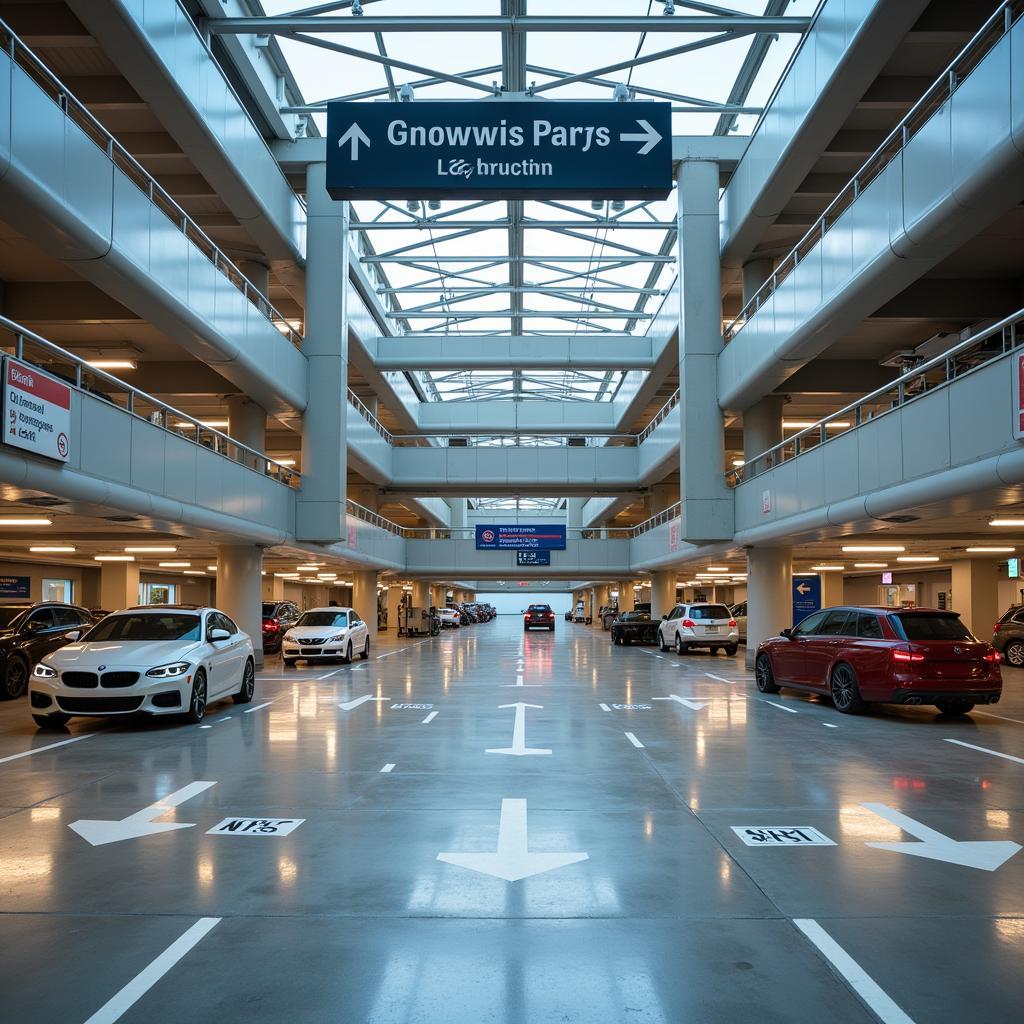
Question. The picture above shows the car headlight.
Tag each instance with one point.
(42, 672)
(339, 636)
(164, 671)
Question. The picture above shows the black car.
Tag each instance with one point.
(30, 631)
(1008, 636)
(278, 617)
(539, 616)
(634, 628)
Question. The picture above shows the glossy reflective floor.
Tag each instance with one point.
(613, 807)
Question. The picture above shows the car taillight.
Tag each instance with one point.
(689, 623)
(270, 625)
(901, 655)
(732, 623)
(992, 656)
(998, 626)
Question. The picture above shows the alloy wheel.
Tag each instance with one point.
(842, 687)
(198, 708)
(1015, 654)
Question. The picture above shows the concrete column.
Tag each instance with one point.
(975, 596)
(364, 596)
(574, 513)
(320, 507)
(247, 423)
(420, 594)
(119, 585)
(626, 600)
(663, 593)
(769, 595)
(259, 274)
(273, 588)
(240, 590)
(755, 273)
(707, 504)
(833, 589)
(394, 600)
(762, 427)
(458, 507)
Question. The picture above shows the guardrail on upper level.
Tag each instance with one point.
(991, 343)
(658, 418)
(364, 411)
(367, 515)
(994, 29)
(88, 379)
(659, 519)
(140, 177)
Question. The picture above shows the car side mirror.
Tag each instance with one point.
(787, 633)
(73, 635)
(664, 618)
(219, 634)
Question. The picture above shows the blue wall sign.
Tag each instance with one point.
(520, 538)
(520, 149)
(15, 586)
(533, 558)
(806, 597)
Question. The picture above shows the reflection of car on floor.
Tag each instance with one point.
(634, 628)
(326, 633)
(699, 625)
(167, 659)
(28, 632)
(883, 655)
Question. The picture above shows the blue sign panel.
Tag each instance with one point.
(15, 586)
(520, 538)
(510, 150)
(806, 597)
(533, 558)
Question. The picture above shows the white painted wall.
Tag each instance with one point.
(516, 601)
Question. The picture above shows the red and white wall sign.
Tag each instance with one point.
(37, 411)
(1017, 364)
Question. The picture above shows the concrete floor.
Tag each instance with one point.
(352, 917)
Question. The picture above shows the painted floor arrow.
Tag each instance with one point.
(985, 855)
(139, 824)
(512, 860)
(349, 705)
(519, 747)
(693, 705)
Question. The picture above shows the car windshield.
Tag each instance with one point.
(268, 610)
(635, 617)
(540, 607)
(10, 613)
(709, 611)
(931, 626)
(169, 626)
(323, 619)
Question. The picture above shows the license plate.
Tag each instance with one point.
(710, 629)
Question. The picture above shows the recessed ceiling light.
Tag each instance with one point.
(737, 463)
(871, 565)
(828, 568)
(213, 568)
(194, 572)
(25, 521)
(991, 550)
(283, 462)
(113, 558)
(308, 568)
(869, 548)
(151, 549)
(112, 364)
(918, 558)
(53, 549)
(287, 575)
(717, 568)
(1006, 522)
(175, 565)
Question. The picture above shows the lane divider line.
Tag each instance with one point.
(49, 746)
(1003, 718)
(632, 739)
(387, 769)
(259, 707)
(781, 707)
(429, 718)
(118, 1005)
(855, 976)
(731, 682)
(985, 750)
(604, 707)
(829, 725)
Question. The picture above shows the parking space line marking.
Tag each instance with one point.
(604, 707)
(429, 718)
(856, 977)
(387, 769)
(632, 739)
(781, 707)
(206, 727)
(329, 674)
(988, 714)
(829, 725)
(124, 1000)
(731, 682)
(259, 707)
(985, 750)
(49, 746)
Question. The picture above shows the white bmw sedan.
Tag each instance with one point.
(159, 659)
(326, 633)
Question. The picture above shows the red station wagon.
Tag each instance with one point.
(880, 655)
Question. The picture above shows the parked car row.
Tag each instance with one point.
(465, 614)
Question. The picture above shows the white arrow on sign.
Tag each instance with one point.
(650, 137)
(802, 588)
(141, 823)
(512, 860)
(354, 136)
(519, 747)
(693, 705)
(985, 855)
(350, 704)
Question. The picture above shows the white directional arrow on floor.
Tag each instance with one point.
(350, 704)
(693, 705)
(986, 855)
(141, 823)
(512, 860)
(519, 747)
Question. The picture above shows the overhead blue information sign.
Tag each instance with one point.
(533, 558)
(806, 597)
(520, 538)
(519, 149)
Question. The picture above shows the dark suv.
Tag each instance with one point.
(278, 616)
(1008, 636)
(30, 631)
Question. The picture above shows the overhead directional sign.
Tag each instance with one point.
(516, 149)
(520, 537)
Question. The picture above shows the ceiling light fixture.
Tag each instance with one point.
(53, 549)
(918, 558)
(1006, 522)
(194, 572)
(25, 521)
(991, 551)
(175, 565)
(112, 364)
(828, 568)
(871, 565)
(151, 549)
(869, 548)
(113, 558)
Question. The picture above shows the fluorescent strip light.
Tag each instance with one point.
(25, 521)
(308, 568)
(1006, 522)
(283, 462)
(113, 558)
(869, 548)
(213, 568)
(287, 575)
(991, 551)
(828, 568)
(210, 424)
(112, 364)
(736, 463)
(151, 549)
(194, 572)
(175, 565)
(53, 549)
(716, 568)
(918, 558)
(871, 565)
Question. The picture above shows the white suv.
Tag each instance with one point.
(699, 625)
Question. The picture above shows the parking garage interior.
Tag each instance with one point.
(595, 596)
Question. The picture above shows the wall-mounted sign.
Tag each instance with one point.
(1013, 568)
(1017, 366)
(520, 537)
(517, 149)
(533, 558)
(766, 502)
(806, 597)
(886, 579)
(16, 586)
(36, 411)
(673, 535)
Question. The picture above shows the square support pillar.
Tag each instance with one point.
(975, 597)
(394, 600)
(240, 590)
(119, 585)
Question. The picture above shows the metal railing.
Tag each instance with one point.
(659, 519)
(89, 380)
(659, 417)
(514, 439)
(941, 90)
(367, 515)
(141, 178)
(991, 343)
(364, 411)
